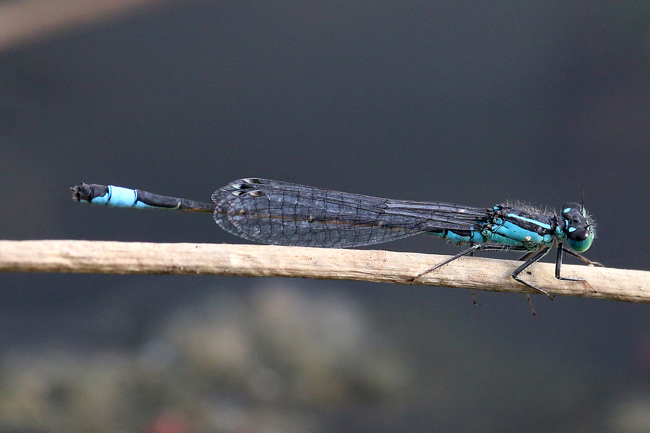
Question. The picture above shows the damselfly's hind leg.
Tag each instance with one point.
(469, 250)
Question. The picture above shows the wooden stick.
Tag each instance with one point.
(319, 263)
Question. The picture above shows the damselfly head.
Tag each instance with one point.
(578, 227)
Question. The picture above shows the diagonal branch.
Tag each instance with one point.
(320, 263)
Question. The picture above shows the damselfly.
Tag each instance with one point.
(282, 213)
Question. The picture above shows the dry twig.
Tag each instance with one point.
(319, 263)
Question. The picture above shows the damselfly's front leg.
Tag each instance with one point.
(558, 265)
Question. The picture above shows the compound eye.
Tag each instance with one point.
(579, 234)
(580, 239)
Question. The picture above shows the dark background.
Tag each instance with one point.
(460, 101)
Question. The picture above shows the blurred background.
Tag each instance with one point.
(467, 102)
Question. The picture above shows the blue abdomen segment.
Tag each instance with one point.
(461, 236)
(118, 196)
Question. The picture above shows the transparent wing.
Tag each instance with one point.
(283, 213)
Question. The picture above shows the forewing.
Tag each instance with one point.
(283, 213)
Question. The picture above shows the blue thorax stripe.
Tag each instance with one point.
(546, 226)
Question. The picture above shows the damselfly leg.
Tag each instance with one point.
(530, 259)
(558, 265)
(581, 257)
